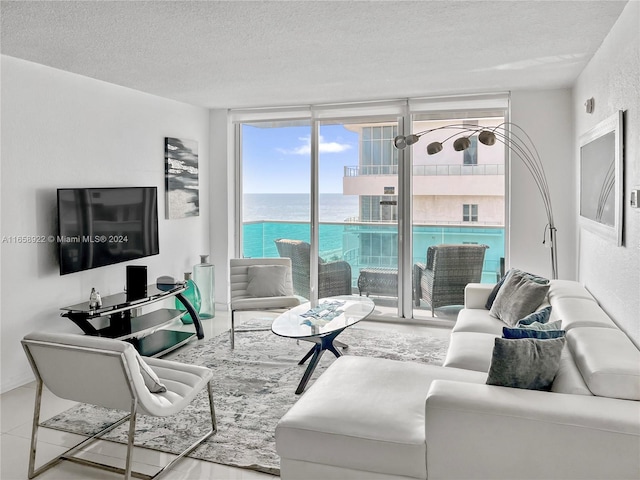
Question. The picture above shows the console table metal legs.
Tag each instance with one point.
(327, 342)
(194, 315)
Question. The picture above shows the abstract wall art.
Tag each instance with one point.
(181, 178)
(601, 173)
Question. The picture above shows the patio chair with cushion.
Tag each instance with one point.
(334, 278)
(448, 270)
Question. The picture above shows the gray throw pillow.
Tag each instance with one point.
(151, 380)
(267, 281)
(518, 297)
(494, 292)
(525, 363)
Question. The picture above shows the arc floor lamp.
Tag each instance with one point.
(517, 141)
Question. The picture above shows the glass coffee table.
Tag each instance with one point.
(321, 325)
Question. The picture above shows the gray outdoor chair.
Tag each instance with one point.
(243, 295)
(334, 278)
(110, 373)
(448, 270)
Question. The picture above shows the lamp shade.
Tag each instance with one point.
(487, 138)
(461, 144)
(411, 139)
(400, 142)
(433, 148)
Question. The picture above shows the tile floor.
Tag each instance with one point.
(17, 413)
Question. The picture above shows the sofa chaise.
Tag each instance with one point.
(375, 419)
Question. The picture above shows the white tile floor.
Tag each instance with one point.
(17, 413)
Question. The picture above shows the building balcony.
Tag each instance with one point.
(441, 180)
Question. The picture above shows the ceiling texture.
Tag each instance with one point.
(237, 54)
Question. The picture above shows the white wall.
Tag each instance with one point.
(64, 130)
(547, 117)
(612, 78)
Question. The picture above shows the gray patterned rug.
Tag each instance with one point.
(254, 386)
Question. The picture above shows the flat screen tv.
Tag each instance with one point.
(103, 226)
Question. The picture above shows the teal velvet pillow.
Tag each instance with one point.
(525, 363)
(557, 325)
(540, 316)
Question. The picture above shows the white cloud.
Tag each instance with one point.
(323, 147)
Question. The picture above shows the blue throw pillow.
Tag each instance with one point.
(512, 333)
(540, 316)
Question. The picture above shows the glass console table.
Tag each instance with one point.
(143, 331)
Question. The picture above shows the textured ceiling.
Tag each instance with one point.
(265, 53)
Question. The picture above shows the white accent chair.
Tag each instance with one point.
(110, 373)
(241, 298)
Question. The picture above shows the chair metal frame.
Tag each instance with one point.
(69, 455)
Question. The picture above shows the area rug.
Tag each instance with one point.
(254, 386)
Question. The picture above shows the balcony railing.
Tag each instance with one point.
(372, 244)
(426, 170)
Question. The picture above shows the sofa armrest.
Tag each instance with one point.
(477, 294)
(514, 433)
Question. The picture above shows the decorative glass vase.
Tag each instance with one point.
(204, 277)
(192, 294)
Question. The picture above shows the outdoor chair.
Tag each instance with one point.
(110, 373)
(334, 278)
(260, 284)
(448, 270)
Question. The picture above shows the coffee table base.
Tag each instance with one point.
(326, 342)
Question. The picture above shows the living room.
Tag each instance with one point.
(62, 129)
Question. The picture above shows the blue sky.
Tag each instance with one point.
(277, 160)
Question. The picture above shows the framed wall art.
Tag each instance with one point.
(601, 178)
(181, 178)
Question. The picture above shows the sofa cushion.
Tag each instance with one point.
(477, 320)
(525, 363)
(345, 419)
(568, 379)
(608, 361)
(581, 312)
(518, 297)
(568, 289)
(470, 350)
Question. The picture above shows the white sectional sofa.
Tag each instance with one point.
(374, 419)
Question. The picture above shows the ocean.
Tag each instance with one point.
(295, 207)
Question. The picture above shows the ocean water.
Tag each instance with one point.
(268, 217)
(295, 207)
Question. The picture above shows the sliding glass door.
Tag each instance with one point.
(458, 199)
(358, 216)
(358, 185)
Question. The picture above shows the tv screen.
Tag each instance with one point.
(103, 226)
